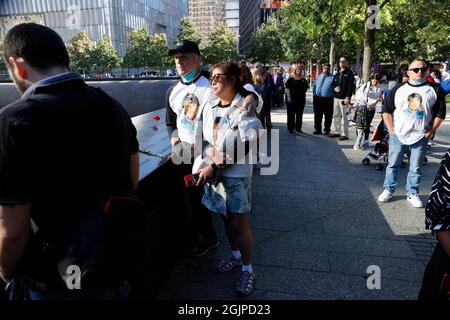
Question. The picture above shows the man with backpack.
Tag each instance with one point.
(63, 146)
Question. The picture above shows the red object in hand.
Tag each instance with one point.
(156, 118)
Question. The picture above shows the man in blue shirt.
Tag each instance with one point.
(323, 100)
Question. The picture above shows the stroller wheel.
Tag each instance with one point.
(425, 160)
(366, 161)
(403, 165)
(379, 167)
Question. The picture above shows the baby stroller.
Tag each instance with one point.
(381, 149)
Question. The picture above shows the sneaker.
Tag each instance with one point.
(385, 196)
(204, 247)
(317, 132)
(334, 135)
(228, 265)
(245, 284)
(327, 133)
(415, 201)
(342, 138)
(355, 147)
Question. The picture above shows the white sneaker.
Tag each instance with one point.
(385, 196)
(355, 147)
(415, 201)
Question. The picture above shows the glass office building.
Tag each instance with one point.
(114, 18)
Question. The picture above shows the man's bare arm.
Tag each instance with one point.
(15, 232)
(389, 122)
(444, 239)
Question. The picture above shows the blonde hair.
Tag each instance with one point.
(257, 77)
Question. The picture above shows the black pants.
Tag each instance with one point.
(202, 226)
(370, 115)
(438, 265)
(264, 115)
(295, 114)
(323, 106)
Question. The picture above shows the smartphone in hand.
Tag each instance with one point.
(191, 179)
(445, 285)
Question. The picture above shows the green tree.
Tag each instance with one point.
(266, 46)
(80, 48)
(105, 56)
(2, 59)
(222, 45)
(159, 50)
(188, 31)
(138, 53)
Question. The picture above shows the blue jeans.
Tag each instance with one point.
(417, 153)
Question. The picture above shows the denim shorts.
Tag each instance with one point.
(232, 195)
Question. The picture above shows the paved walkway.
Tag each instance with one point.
(317, 227)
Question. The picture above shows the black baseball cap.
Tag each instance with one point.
(185, 46)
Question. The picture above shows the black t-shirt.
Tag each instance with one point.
(62, 147)
(297, 88)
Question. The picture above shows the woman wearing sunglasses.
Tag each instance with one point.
(230, 129)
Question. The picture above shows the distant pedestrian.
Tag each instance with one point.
(343, 86)
(323, 100)
(296, 87)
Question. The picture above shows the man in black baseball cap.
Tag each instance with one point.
(192, 91)
(185, 46)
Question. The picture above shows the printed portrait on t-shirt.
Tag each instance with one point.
(191, 107)
(415, 107)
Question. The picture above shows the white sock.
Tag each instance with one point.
(236, 254)
(247, 267)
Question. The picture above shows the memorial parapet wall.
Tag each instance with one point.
(138, 96)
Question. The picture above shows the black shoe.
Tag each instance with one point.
(204, 247)
(327, 133)
(317, 132)
(299, 131)
(291, 131)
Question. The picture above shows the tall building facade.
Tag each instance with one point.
(205, 14)
(232, 14)
(253, 13)
(113, 18)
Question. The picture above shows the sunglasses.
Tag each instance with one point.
(216, 78)
(416, 70)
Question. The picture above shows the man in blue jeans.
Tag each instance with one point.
(413, 111)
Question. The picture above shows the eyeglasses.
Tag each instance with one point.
(416, 70)
(216, 78)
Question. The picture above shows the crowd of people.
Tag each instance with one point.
(214, 119)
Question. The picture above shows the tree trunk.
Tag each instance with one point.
(369, 45)
(332, 50)
(358, 61)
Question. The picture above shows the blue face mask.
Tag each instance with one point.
(417, 82)
(190, 76)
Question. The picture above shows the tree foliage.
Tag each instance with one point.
(104, 56)
(138, 53)
(266, 46)
(222, 45)
(314, 29)
(80, 50)
(188, 31)
(2, 59)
